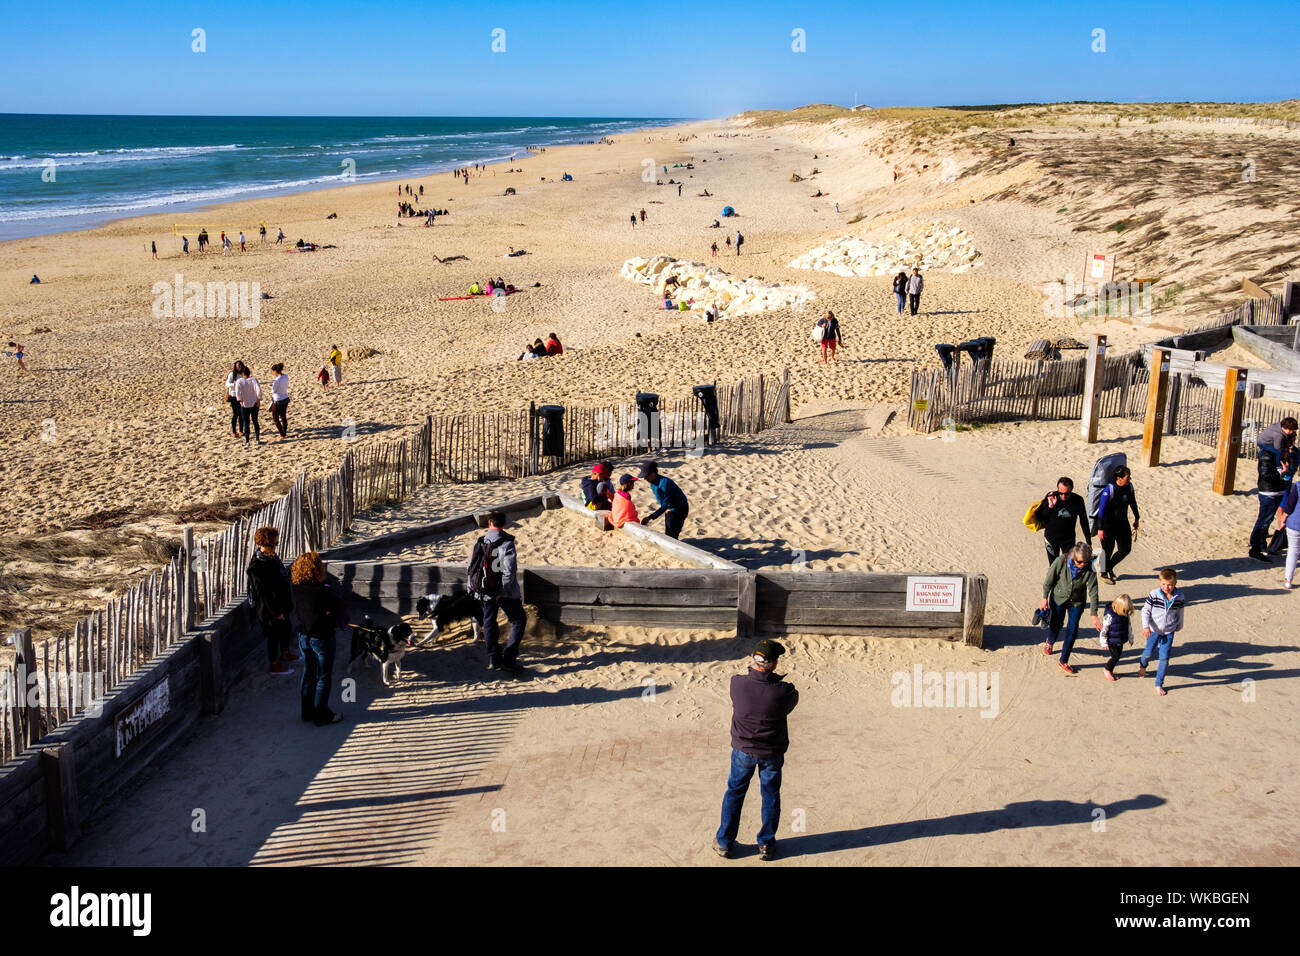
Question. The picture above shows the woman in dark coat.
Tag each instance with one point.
(319, 612)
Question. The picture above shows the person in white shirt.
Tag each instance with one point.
(914, 286)
(235, 373)
(249, 392)
(280, 400)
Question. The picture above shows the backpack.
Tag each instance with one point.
(1031, 517)
(1103, 474)
(484, 571)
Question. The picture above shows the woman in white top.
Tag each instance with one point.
(280, 400)
(235, 375)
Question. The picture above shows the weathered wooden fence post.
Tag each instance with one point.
(786, 386)
(1234, 402)
(189, 580)
(746, 603)
(59, 768)
(977, 592)
(428, 449)
(1092, 381)
(1157, 391)
(1175, 399)
(27, 715)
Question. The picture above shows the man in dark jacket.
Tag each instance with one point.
(506, 595)
(670, 498)
(1057, 514)
(1112, 520)
(760, 702)
(1275, 473)
(268, 593)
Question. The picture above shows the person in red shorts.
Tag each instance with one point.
(831, 339)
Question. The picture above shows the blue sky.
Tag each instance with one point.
(687, 59)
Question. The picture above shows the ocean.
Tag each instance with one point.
(59, 172)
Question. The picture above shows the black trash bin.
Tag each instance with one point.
(947, 355)
(552, 430)
(708, 397)
(647, 418)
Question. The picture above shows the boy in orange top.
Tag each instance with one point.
(624, 510)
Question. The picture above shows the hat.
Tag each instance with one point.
(602, 467)
(625, 478)
(769, 650)
(649, 468)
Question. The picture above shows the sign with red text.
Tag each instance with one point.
(933, 594)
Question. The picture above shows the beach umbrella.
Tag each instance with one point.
(728, 211)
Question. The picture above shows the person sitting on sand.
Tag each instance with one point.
(624, 509)
(526, 354)
(476, 289)
(553, 346)
(539, 348)
(36, 280)
(597, 492)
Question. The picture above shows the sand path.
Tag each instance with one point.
(584, 765)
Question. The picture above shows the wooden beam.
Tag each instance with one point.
(678, 549)
(746, 603)
(1234, 401)
(1092, 387)
(59, 768)
(1157, 394)
(977, 590)
(1274, 351)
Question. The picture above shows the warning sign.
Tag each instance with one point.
(933, 594)
(921, 404)
(1099, 267)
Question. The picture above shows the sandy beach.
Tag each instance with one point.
(121, 427)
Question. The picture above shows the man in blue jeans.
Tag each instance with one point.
(760, 702)
(500, 589)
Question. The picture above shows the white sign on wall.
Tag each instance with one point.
(142, 715)
(933, 594)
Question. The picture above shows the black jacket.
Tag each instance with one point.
(1058, 522)
(1272, 443)
(900, 284)
(317, 609)
(760, 703)
(268, 587)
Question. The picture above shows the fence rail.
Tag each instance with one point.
(76, 667)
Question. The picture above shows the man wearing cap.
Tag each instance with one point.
(597, 492)
(760, 702)
(672, 502)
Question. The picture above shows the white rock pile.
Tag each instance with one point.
(932, 246)
(706, 286)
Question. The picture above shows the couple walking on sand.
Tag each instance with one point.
(907, 290)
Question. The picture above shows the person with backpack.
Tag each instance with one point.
(1056, 515)
(830, 337)
(670, 498)
(597, 491)
(1071, 583)
(494, 580)
(1275, 477)
(1112, 520)
(900, 290)
(271, 598)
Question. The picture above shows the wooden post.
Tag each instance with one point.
(1037, 390)
(746, 603)
(59, 768)
(1092, 387)
(1157, 392)
(977, 591)
(212, 693)
(189, 583)
(786, 386)
(1175, 398)
(428, 449)
(1234, 401)
(28, 713)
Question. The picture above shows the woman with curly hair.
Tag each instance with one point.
(318, 611)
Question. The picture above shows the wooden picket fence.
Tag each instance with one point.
(203, 578)
(1004, 390)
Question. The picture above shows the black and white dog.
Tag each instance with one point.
(386, 646)
(446, 609)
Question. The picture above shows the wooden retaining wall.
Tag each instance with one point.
(840, 603)
(52, 787)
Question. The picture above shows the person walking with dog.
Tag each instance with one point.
(671, 500)
(1071, 583)
(272, 600)
(914, 286)
(1112, 520)
(761, 700)
(1057, 514)
(494, 579)
(319, 613)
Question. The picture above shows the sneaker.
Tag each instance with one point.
(1286, 584)
(767, 852)
(1065, 667)
(279, 670)
(721, 850)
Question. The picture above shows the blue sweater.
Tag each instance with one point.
(668, 496)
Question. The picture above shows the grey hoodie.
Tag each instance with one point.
(507, 561)
(1161, 614)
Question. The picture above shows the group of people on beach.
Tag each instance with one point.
(540, 349)
(245, 394)
(227, 247)
(601, 493)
